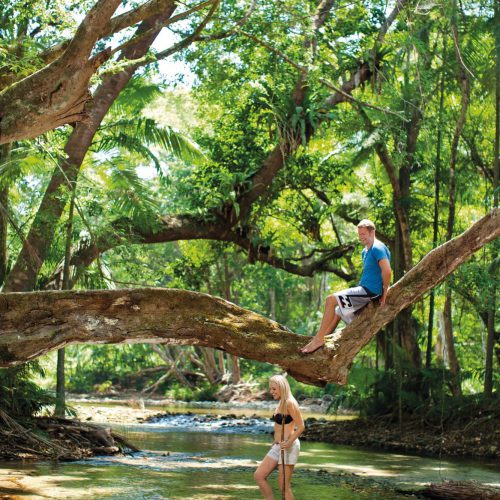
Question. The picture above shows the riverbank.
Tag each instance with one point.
(479, 437)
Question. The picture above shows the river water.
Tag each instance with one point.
(197, 457)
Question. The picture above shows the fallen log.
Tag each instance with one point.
(461, 490)
(34, 323)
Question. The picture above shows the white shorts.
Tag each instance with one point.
(351, 300)
(291, 454)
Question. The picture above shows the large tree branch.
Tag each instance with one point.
(184, 227)
(32, 324)
(152, 10)
(57, 94)
(88, 32)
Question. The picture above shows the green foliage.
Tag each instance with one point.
(92, 368)
(424, 393)
(355, 394)
(300, 390)
(205, 392)
(26, 28)
(20, 396)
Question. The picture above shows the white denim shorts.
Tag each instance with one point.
(291, 454)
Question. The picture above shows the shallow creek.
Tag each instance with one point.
(199, 457)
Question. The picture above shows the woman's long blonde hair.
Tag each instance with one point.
(285, 392)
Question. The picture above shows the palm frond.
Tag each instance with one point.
(140, 134)
(24, 160)
(135, 96)
(365, 149)
(130, 195)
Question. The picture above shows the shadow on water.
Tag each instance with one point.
(149, 477)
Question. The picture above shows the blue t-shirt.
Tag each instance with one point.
(371, 277)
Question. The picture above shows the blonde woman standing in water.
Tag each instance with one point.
(288, 412)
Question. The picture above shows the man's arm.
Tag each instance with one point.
(385, 267)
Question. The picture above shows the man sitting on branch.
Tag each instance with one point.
(375, 280)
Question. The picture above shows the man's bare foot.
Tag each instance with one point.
(314, 345)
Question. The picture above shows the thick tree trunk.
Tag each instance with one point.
(464, 83)
(404, 324)
(404, 330)
(32, 324)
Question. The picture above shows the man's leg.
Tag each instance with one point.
(328, 324)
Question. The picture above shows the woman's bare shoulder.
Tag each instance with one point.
(293, 406)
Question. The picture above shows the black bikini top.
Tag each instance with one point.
(278, 418)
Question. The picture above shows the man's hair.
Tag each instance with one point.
(367, 223)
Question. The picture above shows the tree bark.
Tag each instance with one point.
(56, 94)
(4, 210)
(490, 345)
(233, 361)
(187, 227)
(454, 366)
(204, 358)
(32, 324)
(167, 356)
